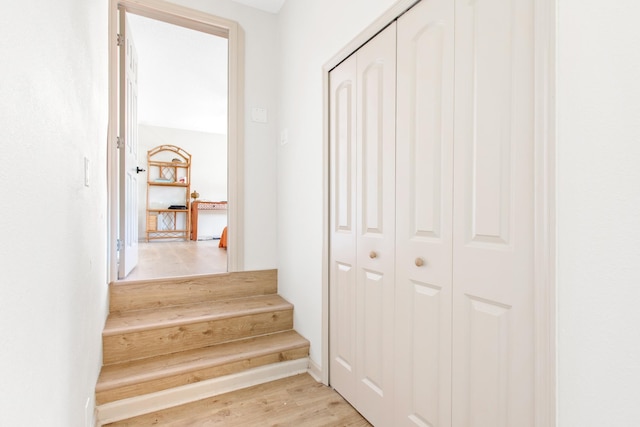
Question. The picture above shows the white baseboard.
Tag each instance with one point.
(139, 405)
(315, 371)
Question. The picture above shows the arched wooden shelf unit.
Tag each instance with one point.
(168, 192)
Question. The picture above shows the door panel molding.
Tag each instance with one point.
(199, 21)
(343, 260)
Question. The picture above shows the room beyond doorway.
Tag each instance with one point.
(182, 101)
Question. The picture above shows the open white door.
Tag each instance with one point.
(128, 173)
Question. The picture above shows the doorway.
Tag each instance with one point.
(182, 89)
(185, 20)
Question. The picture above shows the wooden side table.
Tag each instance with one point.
(204, 206)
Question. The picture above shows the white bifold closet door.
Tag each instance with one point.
(424, 215)
(493, 205)
(431, 265)
(362, 222)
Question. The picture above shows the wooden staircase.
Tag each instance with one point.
(166, 335)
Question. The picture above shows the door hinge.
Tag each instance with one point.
(119, 40)
(119, 142)
(118, 245)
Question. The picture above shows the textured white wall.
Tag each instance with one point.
(261, 90)
(599, 213)
(53, 114)
(311, 33)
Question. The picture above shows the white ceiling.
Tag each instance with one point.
(272, 6)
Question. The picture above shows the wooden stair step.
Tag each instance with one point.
(124, 380)
(145, 333)
(146, 294)
(140, 320)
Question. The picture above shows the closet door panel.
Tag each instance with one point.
(424, 214)
(342, 219)
(375, 195)
(493, 372)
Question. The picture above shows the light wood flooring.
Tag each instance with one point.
(293, 401)
(160, 259)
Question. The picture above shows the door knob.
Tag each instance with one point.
(419, 262)
(372, 254)
(139, 169)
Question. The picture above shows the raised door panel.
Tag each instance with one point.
(424, 215)
(375, 195)
(493, 363)
(342, 218)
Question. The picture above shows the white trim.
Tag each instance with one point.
(326, 255)
(235, 132)
(139, 405)
(315, 371)
(545, 213)
(112, 152)
(199, 21)
(545, 200)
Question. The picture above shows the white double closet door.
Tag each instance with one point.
(431, 218)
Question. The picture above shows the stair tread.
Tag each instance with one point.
(123, 374)
(132, 321)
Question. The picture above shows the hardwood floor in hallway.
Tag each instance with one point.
(160, 259)
(293, 401)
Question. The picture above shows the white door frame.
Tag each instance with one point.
(544, 190)
(199, 21)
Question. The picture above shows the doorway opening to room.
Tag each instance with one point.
(182, 103)
(175, 142)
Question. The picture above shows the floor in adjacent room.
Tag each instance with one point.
(159, 259)
(293, 401)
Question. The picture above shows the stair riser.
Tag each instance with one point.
(199, 375)
(137, 345)
(189, 290)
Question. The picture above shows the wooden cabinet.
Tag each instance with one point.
(168, 192)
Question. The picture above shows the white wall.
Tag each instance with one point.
(53, 114)
(261, 90)
(182, 76)
(311, 33)
(599, 213)
(208, 174)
